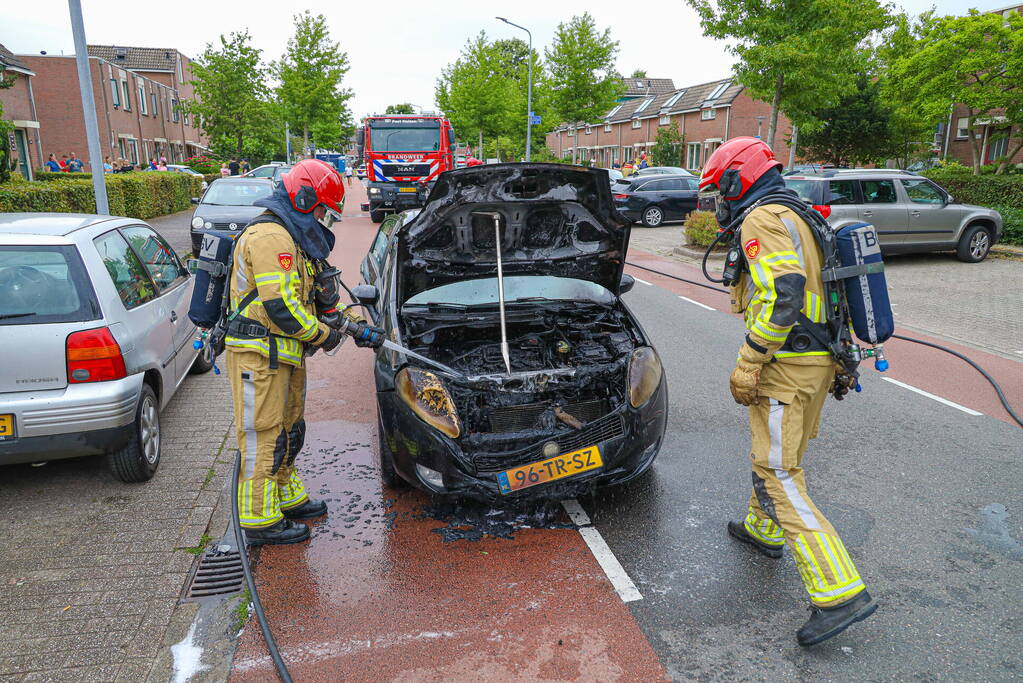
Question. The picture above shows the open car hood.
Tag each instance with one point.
(554, 219)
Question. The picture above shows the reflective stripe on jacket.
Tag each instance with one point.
(267, 259)
(783, 279)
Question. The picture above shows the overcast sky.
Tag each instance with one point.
(396, 48)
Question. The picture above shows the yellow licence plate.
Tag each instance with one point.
(557, 467)
(406, 189)
(7, 427)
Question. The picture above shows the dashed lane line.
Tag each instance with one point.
(643, 282)
(613, 569)
(697, 303)
(939, 399)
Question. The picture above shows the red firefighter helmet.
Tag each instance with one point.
(311, 183)
(736, 165)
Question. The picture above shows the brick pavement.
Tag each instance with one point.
(91, 568)
(174, 227)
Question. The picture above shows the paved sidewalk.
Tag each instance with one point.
(175, 228)
(91, 568)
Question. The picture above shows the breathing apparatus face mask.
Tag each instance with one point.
(728, 189)
(330, 216)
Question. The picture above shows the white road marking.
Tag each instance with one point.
(939, 399)
(685, 298)
(643, 282)
(613, 569)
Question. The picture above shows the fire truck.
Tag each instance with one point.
(403, 154)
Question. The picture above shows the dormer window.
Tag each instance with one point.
(672, 100)
(718, 91)
(644, 104)
(589, 130)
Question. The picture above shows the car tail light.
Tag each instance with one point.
(823, 209)
(621, 196)
(94, 356)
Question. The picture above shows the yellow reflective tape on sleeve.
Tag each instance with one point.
(795, 354)
(309, 327)
(769, 333)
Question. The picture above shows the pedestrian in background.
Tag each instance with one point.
(224, 170)
(152, 164)
(74, 164)
(234, 166)
(161, 165)
(107, 166)
(244, 168)
(348, 175)
(52, 164)
(63, 163)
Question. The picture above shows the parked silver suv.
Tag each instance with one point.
(910, 212)
(96, 338)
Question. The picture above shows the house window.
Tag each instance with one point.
(963, 128)
(635, 123)
(718, 91)
(174, 109)
(607, 127)
(156, 109)
(127, 95)
(133, 151)
(115, 93)
(664, 120)
(673, 99)
(998, 144)
(120, 148)
(708, 114)
(644, 104)
(614, 111)
(571, 133)
(142, 100)
(693, 155)
(589, 130)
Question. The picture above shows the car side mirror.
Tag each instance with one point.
(949, 199)
(195, 200)
(627, 283)
(366, 294)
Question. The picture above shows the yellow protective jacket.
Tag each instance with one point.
(783, 280)
(267, 259)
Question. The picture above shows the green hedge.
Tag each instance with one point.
(985, 190)
(1012, 222)
(137, 195)
(701, 227)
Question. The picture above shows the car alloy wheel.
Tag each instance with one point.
(979, 244)
(653, 216)
(149, 429)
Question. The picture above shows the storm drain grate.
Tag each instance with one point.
(219, 573)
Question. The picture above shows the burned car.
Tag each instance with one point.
(511, 276)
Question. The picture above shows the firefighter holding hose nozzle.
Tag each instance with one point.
(784, 371)
(284, 305)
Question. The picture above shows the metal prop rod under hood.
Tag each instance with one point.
(500, 286)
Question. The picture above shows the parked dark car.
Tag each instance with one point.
(227, 205)
(274, 171)
(654, 199)
(663, 170)
(585, 401)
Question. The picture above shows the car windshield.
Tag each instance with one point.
(517, 288)
(44, 284)
(406, 139)
(806, 189)
(236, 194)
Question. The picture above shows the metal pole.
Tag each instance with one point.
(529, 87)
(99, 183)
(500, 292)
(792, 149)
(287, 141)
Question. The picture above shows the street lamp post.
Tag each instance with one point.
(760, 123)
(529, 87)
(99, 184)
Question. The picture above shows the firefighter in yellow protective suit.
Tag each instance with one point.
(783, 373)
(281, 307)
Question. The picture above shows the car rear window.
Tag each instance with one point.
(44, 284)
(808, 190)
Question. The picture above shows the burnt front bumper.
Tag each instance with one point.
(629, 439)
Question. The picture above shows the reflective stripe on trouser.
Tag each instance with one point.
(264, 399)
(289, 485)
(780, 435)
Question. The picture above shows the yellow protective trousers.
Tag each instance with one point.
(270, 427)
(780, 509)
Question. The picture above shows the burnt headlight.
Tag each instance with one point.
(644, 375)
(429, 399)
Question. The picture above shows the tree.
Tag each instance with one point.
(403, 108)
(800, 56)
(856, 131)
(638, 73)
(310, 74)
(231, 95)
(6, 128)
(667, 149)
(584, 84)
(974, 60)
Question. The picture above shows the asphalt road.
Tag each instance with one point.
(394, 586)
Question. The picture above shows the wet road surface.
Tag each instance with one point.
(925, 495)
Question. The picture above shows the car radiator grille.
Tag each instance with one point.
(604, 429)
(522, 417)
(227, 226)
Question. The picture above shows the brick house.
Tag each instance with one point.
(137, 105)
(956, 134)
(706, 115)
(19, 107)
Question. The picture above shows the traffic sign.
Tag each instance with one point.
(534, 120)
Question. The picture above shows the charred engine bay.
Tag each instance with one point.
(568, 367)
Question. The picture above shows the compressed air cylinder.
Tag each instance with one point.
(211, 277)
(866, 292)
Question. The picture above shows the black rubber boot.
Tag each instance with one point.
(738, 530)
(307, 510)
(281, 533)
(827, 622)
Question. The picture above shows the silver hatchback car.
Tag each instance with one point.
(910, 212)
(94, 324)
